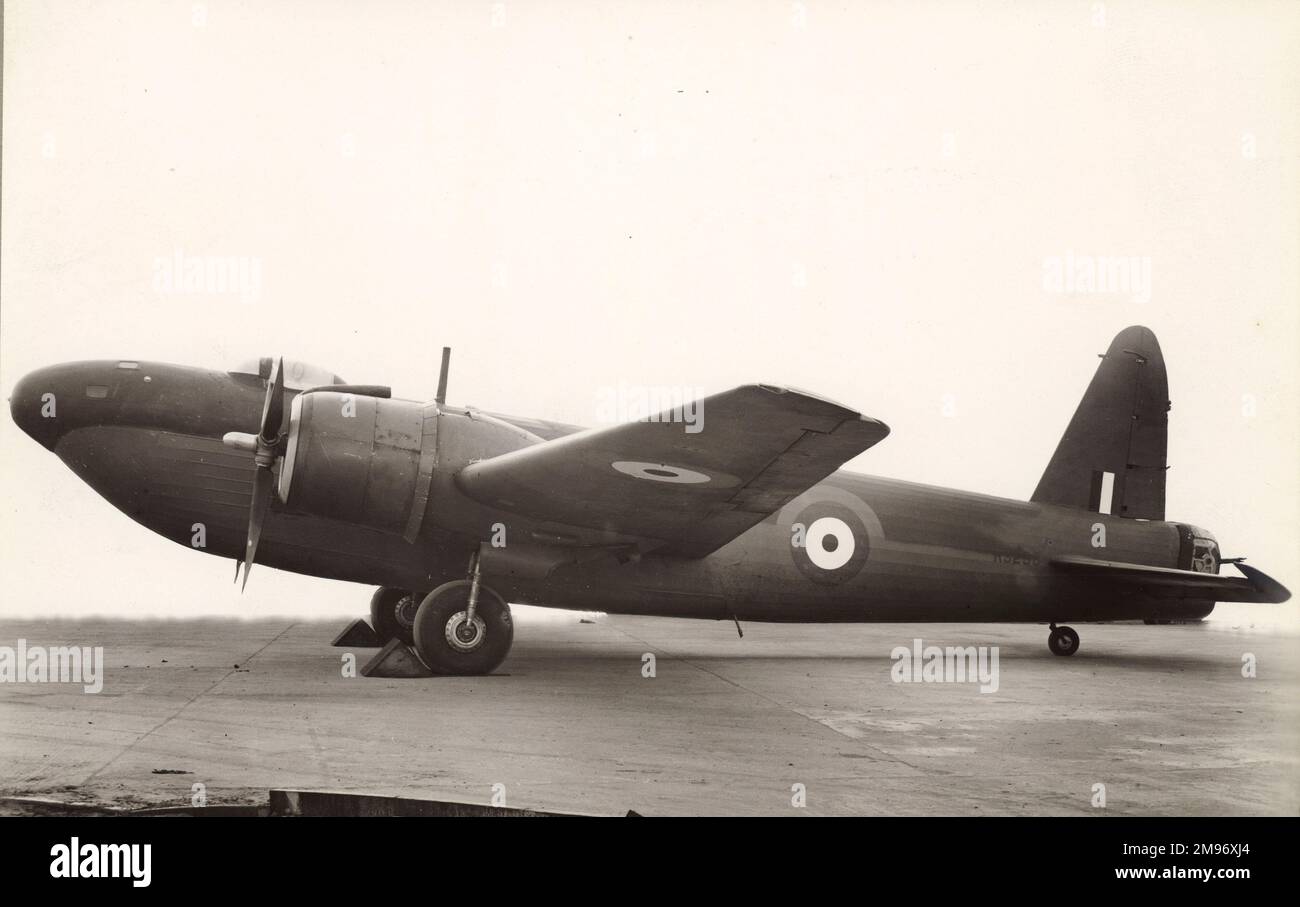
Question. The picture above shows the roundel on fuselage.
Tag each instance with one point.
(829, 542)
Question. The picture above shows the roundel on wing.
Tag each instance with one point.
(660, 472)
(828, 542)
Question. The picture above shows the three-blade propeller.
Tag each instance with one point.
(265, 446)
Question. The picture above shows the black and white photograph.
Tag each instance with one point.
(490, 408)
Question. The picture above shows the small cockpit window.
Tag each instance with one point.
(126, 363)
(96, 391)
(298, 375)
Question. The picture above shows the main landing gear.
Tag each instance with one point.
(392, 613)
(1063, 640)
(463, 627)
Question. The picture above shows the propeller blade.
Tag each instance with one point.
(273, 406)
(263, 447)
(263, 485)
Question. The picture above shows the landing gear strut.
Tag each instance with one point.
(392, 613)
(1063, 640)
(463, 627)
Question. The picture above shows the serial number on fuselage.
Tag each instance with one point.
(1015, 560)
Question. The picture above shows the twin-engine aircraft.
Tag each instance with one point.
(455, 512)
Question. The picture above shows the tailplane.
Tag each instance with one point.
(1112, 457)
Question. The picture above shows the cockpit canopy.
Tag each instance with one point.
(298, 375)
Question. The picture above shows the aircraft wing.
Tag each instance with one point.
(676, 487)
(1168, 582)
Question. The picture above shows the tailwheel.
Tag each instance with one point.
(463, 627)
(392, 614)
(1063, 640)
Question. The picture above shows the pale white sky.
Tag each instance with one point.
(858, 201)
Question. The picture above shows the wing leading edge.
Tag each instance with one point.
(684, 489)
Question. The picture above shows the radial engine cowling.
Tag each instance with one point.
(354, 458)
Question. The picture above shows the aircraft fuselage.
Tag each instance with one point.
(148, 437)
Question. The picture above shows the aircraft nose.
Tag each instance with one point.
(33, 405)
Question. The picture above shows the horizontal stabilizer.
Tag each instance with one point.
(1169, 582)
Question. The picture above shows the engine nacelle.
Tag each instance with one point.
(355, 458)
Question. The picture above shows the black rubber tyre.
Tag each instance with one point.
(392, 614)
(447, 644)
(1063, 641)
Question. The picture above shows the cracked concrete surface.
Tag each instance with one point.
(1160, 715)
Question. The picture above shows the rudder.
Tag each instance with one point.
(1117, 443)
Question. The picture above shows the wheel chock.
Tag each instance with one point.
(395, 660)
(358, 635)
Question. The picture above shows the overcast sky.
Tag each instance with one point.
(863, 200)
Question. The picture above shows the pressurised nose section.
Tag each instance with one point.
(50, 402)
(34, 405)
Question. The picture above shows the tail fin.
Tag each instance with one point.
(1111, 458)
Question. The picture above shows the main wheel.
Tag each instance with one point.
(448, 643)
(1063, 641)
(392, 614)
